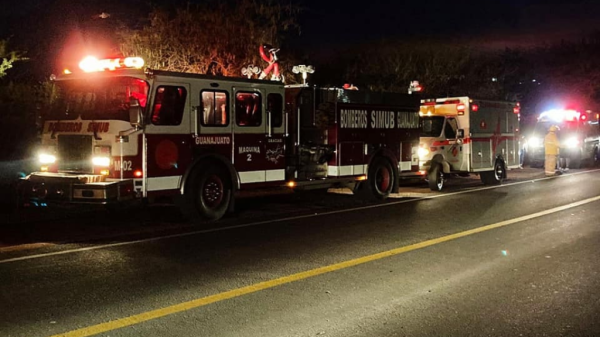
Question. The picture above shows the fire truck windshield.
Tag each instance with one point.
(98, 99)
(431, 126)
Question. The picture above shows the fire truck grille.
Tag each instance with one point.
(75, 153)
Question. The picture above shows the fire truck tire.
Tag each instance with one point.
(435, 178)
(496, 176)
(380, 180)
(210, 194)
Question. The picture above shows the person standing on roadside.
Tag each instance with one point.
(551, 151)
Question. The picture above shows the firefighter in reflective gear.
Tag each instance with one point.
(551, 149)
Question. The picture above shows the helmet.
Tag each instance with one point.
(553, 128)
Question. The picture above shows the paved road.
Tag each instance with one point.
(519, 259)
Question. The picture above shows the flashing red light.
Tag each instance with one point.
(418, 88)
(138, 173)
(517, 108)
(91, 64)
(460, 107)
(474, 107)
(583, 118)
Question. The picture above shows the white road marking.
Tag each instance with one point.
(252, 224)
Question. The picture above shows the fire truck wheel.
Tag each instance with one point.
(435, 178)
(494, 177)
(211, 191)
(380, 181)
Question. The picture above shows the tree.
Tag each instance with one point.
(217, 38)
(8, 58)
(391, 65)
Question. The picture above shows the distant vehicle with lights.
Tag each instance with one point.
(118, 133)
(462, 136)
(579, 135)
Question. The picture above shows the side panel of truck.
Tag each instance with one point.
(492, 130)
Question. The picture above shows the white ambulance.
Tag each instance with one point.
(462, 135)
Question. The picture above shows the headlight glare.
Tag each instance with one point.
(572, 142)
(101, 161)
(535, 142)
(422, 152)
(45, 158)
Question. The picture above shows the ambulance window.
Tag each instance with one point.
(169, 104)
(451, 128)
(248, 109)
(275, 106)
(214, 108)
(431, 126)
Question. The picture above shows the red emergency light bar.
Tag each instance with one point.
(91, 64)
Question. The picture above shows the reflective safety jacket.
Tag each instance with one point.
(551, 144)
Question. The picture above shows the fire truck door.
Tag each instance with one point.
(274, 146)
(167, 136)
(250, 134)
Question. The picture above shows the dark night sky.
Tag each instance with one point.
(330, 24)
(491, 23)
(337, 21)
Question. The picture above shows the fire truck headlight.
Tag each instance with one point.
(45, 158)
(572, 142)
(101, 161)
(535, 142)
(422, 152)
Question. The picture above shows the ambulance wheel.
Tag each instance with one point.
(211, 194)
(496, 176)
(435, 178)
(380, 181)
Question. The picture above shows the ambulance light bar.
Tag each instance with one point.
(91, 64)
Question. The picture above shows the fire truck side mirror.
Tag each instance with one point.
(460, 133)
(135, 113)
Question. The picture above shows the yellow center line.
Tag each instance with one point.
(184, 306)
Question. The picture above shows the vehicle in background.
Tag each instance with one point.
(579, 134)
(117, 133)
(462, 135)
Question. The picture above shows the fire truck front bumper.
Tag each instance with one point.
(73, 188)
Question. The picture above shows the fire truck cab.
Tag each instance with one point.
(462, 135)
(119, 133)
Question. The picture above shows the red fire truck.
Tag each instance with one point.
(117, 133)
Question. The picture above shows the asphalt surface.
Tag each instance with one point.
(514, 260)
